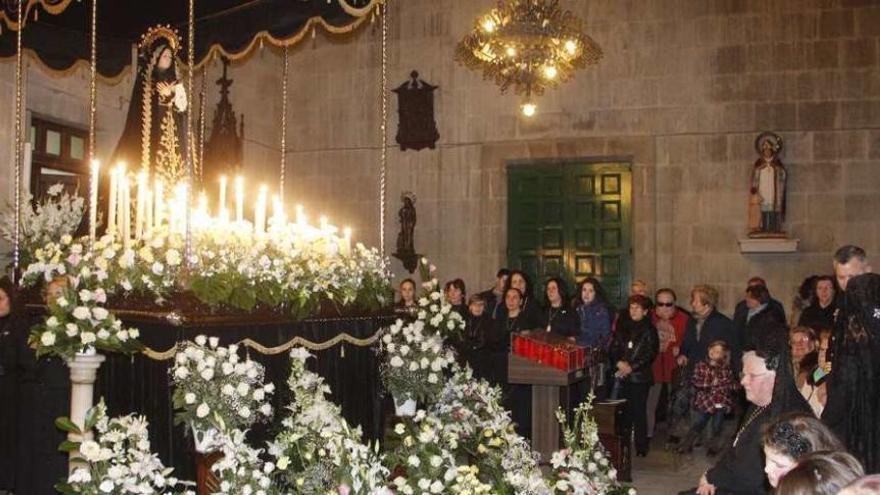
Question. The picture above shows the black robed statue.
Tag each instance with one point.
(153, 137)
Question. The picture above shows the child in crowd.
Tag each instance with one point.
(714, 385)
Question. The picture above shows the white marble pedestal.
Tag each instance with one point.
(83, 371)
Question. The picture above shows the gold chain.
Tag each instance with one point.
(342, 338)
(757, 412)
(383, 160)
(93, 89)
(16, 255)
(283, 123)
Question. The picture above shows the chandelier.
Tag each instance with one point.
(528, 44)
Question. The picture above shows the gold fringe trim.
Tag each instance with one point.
(79, 64)
(50, 8)
(342, 338)
(313, 22)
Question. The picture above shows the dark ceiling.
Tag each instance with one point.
(227, 25)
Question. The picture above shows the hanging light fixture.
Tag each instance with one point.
(528, 44)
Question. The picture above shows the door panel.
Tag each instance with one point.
(571, 220)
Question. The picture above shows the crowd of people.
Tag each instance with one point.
(801, 390)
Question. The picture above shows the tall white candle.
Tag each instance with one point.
(222, 205)
(159, 200)
(346, 244)
(120, 200)
(239, 199)
(140, 219)
(300, 216)
(93, 200)
(260, 213)
(111, 210)
(148, 209)
(126, 213)
(180, 207)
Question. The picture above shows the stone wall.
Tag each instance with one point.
(683, 89)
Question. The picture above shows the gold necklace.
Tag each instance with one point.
(757, 412)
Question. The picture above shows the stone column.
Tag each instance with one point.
(83, 371)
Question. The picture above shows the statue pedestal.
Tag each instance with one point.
(768, 245)
(83, 371)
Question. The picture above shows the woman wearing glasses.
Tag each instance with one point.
(671, 324)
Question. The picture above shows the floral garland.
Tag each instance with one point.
(281, 271)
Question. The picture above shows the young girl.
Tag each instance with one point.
(714, 385)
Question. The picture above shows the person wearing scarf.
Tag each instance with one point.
(771, 391)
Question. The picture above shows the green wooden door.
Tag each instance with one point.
(573, 220)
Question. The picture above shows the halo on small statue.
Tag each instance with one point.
(161, 32)
(408, 195)
(775, 141)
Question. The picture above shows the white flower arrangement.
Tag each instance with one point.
(582, 467)
(215, 389)
(415, 358)
(60, 214)
(118, 461)
(317, 451)
(240, 470)
(280, 271)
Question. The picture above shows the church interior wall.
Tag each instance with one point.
(683, 89)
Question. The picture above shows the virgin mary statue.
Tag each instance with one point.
(153, 136)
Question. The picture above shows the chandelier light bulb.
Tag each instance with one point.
(529, 109)
(488, 25)
(571, 47)
(550, 72)
(511, 51)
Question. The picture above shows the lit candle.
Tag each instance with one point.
(139, 220)
(324, 225)
(260, 213)
(120, 200)
(239, 199)
(126, 213)
(201, 217)
(111, 211)
(346, 245)
(300, 216)
(93, 200)
(278, 217)
(180, 210)
(159, 200)
(148, 209)
(222, 205)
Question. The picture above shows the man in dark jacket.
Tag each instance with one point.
(763, 323)
(741, 312)
(707, 326)
(493, 297)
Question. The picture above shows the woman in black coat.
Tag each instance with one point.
(560, 318)
(531, 314)
(633, 348)
(11, 326)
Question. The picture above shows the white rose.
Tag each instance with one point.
(283, 462)
(201, 340)
(87, 337)
(269, 388)
(103, 334)
(122, 335)
(134, 333)
(109, 253)
(100, 296)
(228, 389)
(202, 410)
(244, 412)
(181, 373)
(106, 486)
(52, 322)
(228, 368)
(243, 389)
(172, 257)
(213, 342)
(189, 398)
(82, 313)
(413, 461)
(100, 313)
(396, 362)
(157, 268)
(259, 394)
(413, 366)
(47, 339)
(207, 374)
(90, 450)
(432, 378)
(61, 302)
(266, 409)
(399, 428)
(72, 330)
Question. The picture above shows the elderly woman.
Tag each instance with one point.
(771, 391)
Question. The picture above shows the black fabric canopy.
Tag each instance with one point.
(60, 35)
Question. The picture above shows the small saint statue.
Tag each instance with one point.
(407, 216)
(767, 188)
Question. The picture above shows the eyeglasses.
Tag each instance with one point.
(665, 305)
